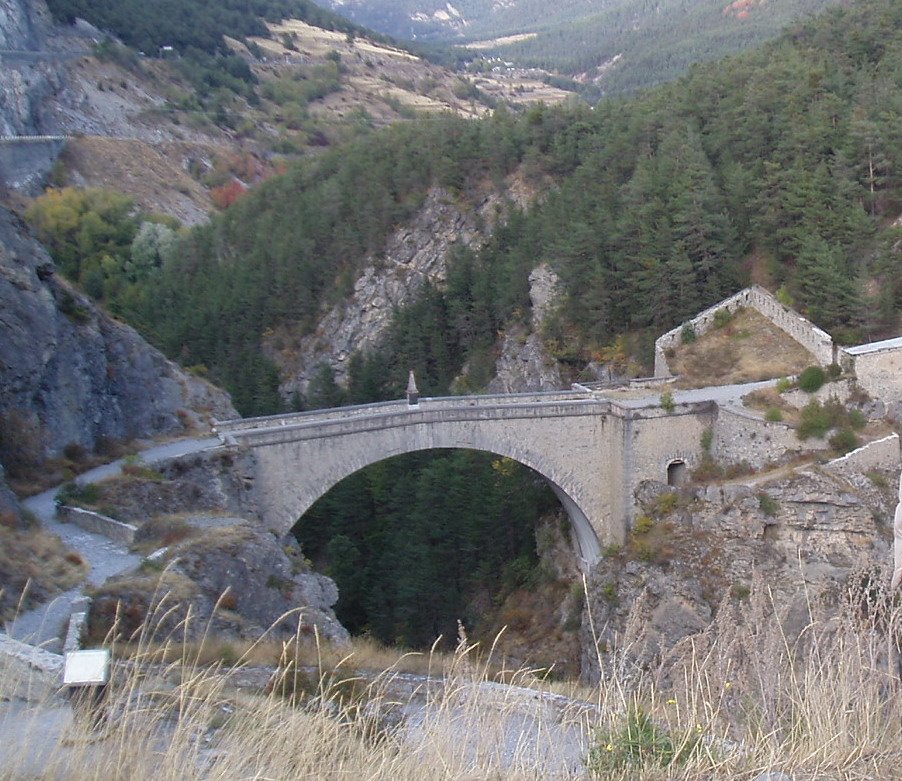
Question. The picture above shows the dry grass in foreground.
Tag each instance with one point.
(729, 703)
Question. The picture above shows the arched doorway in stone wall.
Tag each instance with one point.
(677, 473)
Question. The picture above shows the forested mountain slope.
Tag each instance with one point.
(642, 43)
(789, 155)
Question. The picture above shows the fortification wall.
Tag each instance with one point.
(819, 343)
(883, 454)
(880, 374)
(738, 435)
(657, 438)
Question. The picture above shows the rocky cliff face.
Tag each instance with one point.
(524, 364)
(417, 254)
(26, 80)
(69, 374)
(238, 581)
(800, 540)
(201, 508)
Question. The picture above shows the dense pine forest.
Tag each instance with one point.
(414, 540)
(781, 165)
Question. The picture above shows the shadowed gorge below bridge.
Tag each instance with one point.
(418, 541)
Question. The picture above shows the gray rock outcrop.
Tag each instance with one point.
(801, 539)
(28, 80)
(70, 374)
(240, 581)
(415, 255)
(524, 364)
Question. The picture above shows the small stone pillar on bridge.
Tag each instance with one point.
(413, 395)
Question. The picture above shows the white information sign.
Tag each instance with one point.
(86, 668)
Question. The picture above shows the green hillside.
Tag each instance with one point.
(653, 41)
(791, 152)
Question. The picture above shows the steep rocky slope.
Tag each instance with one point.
(801, 541)
(72, 376)
(196, 516)
(416, 254)
(233, 582)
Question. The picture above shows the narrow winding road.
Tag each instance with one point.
(45, 624)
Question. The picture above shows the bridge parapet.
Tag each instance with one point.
(398, 414)
(490, 401)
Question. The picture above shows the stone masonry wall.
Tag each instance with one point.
(880, 374)
(98, 524)
(740, 436)
(656, 438)
(882, 454)
(812, 338)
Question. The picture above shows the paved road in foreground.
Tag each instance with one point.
(44, 624)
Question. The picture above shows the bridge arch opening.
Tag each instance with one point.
(415, 532)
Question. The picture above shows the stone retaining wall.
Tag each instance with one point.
(30, 655)
(883, 454)
(880, 373)
(819, 343)
(740, 435)
(98, 524)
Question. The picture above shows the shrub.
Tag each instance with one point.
(667, 401)
(773, 415)
(877, 479)
(738, 469)
(227, 654)
(722, 317)
(665, 503)
(783, 385)
(814, 421)
(834, 370)
(707, 470)
(75, 494)
(643, 525)
(740, 591)
(74, 452)
(706, 439)
(768, 505)
(844, 441)
(638, 743)
(609, 593)
(688, 334)
(812, 379)
(857, 419)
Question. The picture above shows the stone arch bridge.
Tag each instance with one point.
(593, 451)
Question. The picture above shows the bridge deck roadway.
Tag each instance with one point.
(494, 405)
